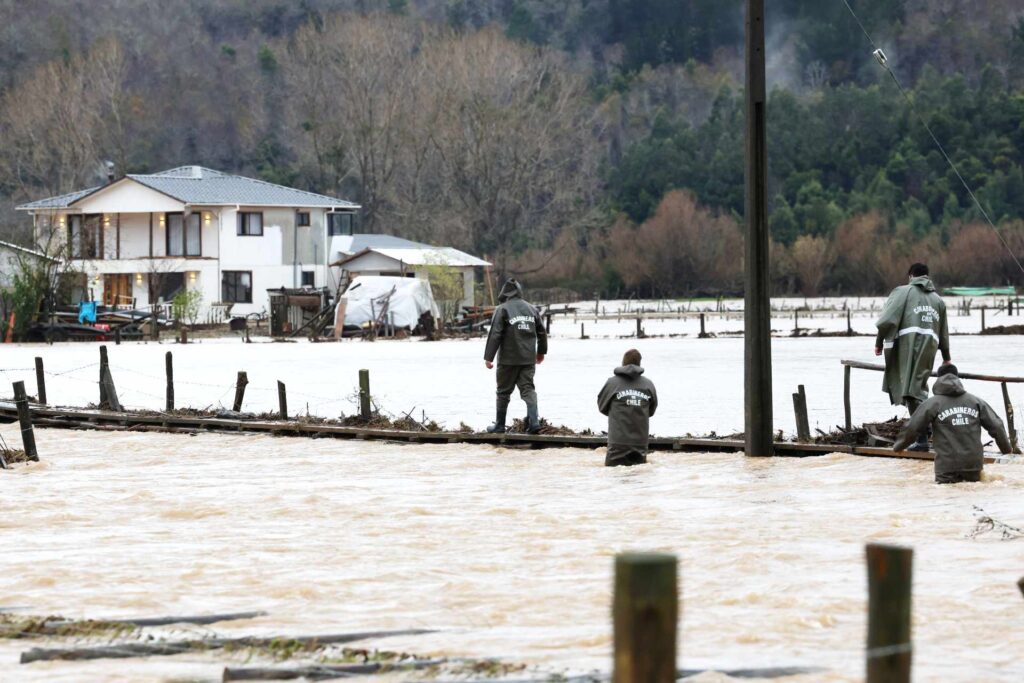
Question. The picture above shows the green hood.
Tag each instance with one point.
(924, 282)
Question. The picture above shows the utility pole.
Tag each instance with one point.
(757, 307)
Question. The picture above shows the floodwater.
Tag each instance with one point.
(507, 552)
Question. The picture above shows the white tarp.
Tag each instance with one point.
(367, 294)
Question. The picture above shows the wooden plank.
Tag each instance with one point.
(963, 375)
(890, 649)
(645, 614)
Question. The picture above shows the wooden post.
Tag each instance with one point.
(104, 403)
(40, 381)
(547, 323)
(1020, 585)
(28, 437)
(703, 332)
(849, 323)
(582, 335)
(117, 336)
(183, 338)
(803, 427)
(758, 418)
(639, 328)
(282, 400)
(796, 322)
(983, 318)
(1010, 427)
(240, 383)
(169, 370)
(111, 392)
(890, 649)
(154, 328)
(364, 394)
(846, 398)
(645, 613)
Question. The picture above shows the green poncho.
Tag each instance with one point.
(912, 326)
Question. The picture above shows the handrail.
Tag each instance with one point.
(962, 375)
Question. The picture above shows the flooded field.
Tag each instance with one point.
(700, 381)
(508, 553)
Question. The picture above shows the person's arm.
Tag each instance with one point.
(993, 424)
(604, 398)
(653, 402)
(494, 336)
(889, 321)
(920, 420)
(542, 336)
(944, 336)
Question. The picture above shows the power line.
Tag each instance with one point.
(884, 63)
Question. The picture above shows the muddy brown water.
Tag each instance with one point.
(508, 553)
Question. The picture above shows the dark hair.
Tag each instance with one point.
(948, 369)
(917, 270)
(631, 357)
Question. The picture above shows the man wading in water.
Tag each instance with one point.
(912, 326)
(629, 400)
(517, 330)
(956, 419)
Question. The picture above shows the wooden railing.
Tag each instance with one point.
(849, 365)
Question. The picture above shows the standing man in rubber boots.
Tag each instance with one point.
(911, 328)
(517, 337)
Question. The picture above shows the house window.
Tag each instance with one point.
(85, 236)
(339, 224)
(302, 219)
(308, 278)
(184, 234)
(236, 286)
(250, 223)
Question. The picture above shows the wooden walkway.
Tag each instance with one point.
(104, 420)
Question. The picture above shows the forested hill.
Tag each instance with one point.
(590, 143)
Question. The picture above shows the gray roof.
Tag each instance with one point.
(200, 186)
(59, 202)
(362, 241)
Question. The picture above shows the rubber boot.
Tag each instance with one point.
(499, 421)
(921, 445)
(532, 418)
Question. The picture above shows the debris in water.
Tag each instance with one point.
(987, 524)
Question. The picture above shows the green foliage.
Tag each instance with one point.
(186, 304)
(522, 26)
(268, 60)
(447, 286)
(844, 151)
(398, 6)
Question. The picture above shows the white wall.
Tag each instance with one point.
(134, 235)
(128, 196)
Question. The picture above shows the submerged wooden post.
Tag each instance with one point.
(639, 328)
(1020, 585)
(154, 329)
(240, 383)
(28, 437)
(169, 370)
(282, 400)
(240, 390)
(803, 427)
(796, 321)
(364, 394)
(1010, 427)
(40, 381)
(889, 647)
(184, 335)
(846, 398)
(703, 332)
(757, 356)
(983, 318)
(849, 323)
(547, 323)
(117, 336)
(103, 377)
(582, 335)
(645, 614)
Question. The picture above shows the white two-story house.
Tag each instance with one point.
(141, 239)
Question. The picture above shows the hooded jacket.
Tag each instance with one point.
(956, 419)
(629, 400)
(517, 333)
(912, 326)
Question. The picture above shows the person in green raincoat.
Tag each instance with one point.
(911, 328)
